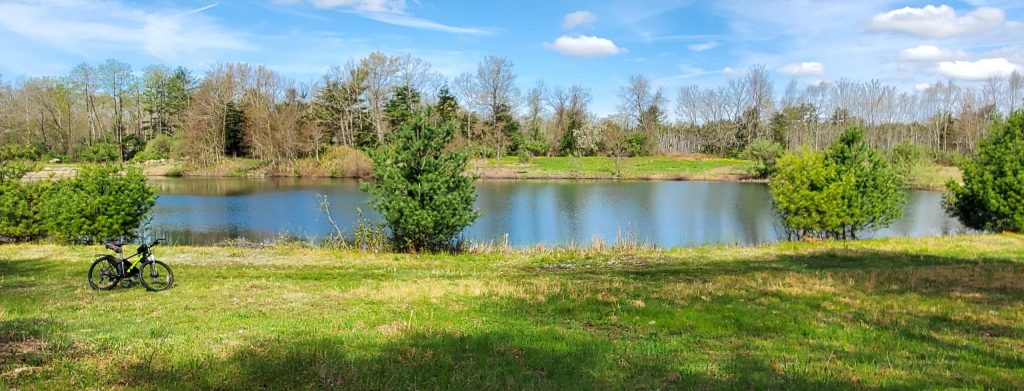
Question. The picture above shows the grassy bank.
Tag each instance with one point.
(649, 167)
(896, 313)
(347, 163)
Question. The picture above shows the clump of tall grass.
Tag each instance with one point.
(367, 236)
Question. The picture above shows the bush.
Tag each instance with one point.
(838, 194)
(807, 193)
(101, 152)
(992, 196)
(22, 152)
(535, 147)
(908, 160)
(764, 154)
(156, 149)
(636, 144)
(101, 202)
(421, 188)
(346, 162)
(21, 217)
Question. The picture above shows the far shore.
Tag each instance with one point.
(654, 168)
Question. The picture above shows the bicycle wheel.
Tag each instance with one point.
(103, 274)
(156, 276)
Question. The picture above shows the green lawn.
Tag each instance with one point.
(649, 167)
(896, 314)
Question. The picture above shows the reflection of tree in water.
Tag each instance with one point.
(247, 186)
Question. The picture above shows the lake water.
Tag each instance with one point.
(667, 214)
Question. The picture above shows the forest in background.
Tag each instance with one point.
(111, 112)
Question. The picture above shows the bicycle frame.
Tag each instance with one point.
(143, 257)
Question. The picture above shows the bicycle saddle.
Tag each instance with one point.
(115, 246)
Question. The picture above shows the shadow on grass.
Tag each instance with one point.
(443, 360)
(17, 268)
(987, 280)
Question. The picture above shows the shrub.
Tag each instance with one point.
(637, 144)
(421, 188)
(908, 160)
(764, 154)
(156, 149)
(21, 216)
(838, 194)
(992, 195)
(101, 202)
(101, 152)
(347, 162)
(535, 147)
(22, 152)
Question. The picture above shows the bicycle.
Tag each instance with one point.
(107, 270)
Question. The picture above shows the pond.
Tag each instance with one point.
(525, 213)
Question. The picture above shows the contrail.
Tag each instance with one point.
(198, 10)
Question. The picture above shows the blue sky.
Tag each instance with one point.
(597, 44)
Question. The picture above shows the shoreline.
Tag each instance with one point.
(933, 178)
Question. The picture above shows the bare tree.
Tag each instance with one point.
(642, 103)
(382, 74)
(1014, 91)
(116, 79)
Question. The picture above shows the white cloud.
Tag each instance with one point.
(938, 22)
(923, 53)
(922, 86)
(584, 46)
(700, 47)
(80, 26)
(578, 18)
(977, 70)
(731, 71)
(804, 69)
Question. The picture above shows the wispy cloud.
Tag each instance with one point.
(392, 12)
(419, 23)
(83, 27)
(700, 47)
(577, 19)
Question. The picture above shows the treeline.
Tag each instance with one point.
(110, 112)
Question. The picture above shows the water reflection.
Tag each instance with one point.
(203, 211)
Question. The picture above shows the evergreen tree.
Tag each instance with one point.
(878, 194)
(447, 108)
(421, 188)
(839, 194)
(402, 106)
(234, 131)
(992, 195)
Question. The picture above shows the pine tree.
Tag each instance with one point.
(402, 106)
(839, 194)
(421, 188)
(992, 195)
(234, 131)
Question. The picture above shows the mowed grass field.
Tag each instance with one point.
(893, 314)
(600, 167)
(926, 177)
